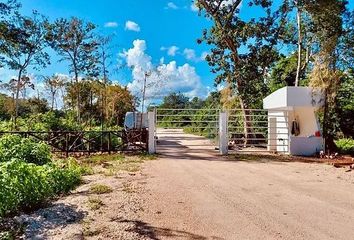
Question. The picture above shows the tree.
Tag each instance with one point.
(283, 73)
(345, 103)
(75, 41)
(175, 101)
(327, 26)
(244, 71)
(7, 11)
(54, 84)
(24, 48)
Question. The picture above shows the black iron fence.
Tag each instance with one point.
(89, 141)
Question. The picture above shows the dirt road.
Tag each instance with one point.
(193, 193)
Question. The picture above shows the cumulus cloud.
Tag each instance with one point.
(191, 55)
(111, 25)
(162, 80)
(171, 5)
(171, 51)
(132, 26)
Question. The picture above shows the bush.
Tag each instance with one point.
(345, 145)
(24, 149)
(26, 185)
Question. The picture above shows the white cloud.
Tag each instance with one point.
(190, 54)
(171, 51)
(132, 26)
(171, 5)
(165, 79)
(111, 25)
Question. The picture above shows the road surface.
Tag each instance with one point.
(193, 193)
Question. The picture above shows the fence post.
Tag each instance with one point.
(109, 142)
(223, 133)
(151, 139)
(67, 144)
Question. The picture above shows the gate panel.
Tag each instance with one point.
(258, 130)
(200, 122)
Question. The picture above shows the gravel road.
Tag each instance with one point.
(193, 193)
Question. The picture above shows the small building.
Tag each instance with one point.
(293, 126)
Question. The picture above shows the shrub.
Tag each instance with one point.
(24, 149)
(26, 185)
(345, 145)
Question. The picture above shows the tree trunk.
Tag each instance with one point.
(298, 71)
(78, 114)
(53, 97)
(18, 89)
(247, 122)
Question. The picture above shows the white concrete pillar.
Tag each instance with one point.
(223, 133)
(152, 125)
(272, 134)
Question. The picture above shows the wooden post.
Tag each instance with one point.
(109, 142)
(66, 145)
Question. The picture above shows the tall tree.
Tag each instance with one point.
(244, 71)
(7, 11)
(327, 25)
(75, 41)
(54, 84)
(104, 62)
(24, 47)
(299, 50)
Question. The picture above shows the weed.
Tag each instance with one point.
(146, 156)
(95, 203)
(100, 189)
(128, 188)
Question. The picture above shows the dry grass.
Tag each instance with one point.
(128, 188)
(100, 189)
(95, 203)
(111, 165)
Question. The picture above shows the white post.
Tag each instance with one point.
(152, 143)
(272, 134)
(223, 133)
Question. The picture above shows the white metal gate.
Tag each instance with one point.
(264, 131)
(198, 122)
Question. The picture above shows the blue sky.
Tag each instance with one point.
(162, 24)
(163, 32)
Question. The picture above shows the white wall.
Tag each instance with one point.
(307, 120)
(280, 135)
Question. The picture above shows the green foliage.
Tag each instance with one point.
(23, 149)
(175, 101)
(243, 50)
(345, 145)
(283, 73)
(345, 107)
(25, 186)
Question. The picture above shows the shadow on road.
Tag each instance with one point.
(57, 215)
(146, 230)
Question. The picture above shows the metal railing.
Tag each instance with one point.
(204, 122)
(252, 132)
